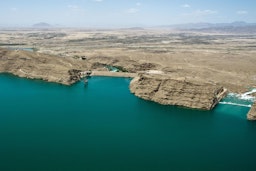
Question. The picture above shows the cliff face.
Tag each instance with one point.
(125, 65)
(177, 91)
(252, 113)
(40, 66)
(59, 69)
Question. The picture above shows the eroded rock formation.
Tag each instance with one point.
(124, 65)
(40, 66)
(75, 75)
(252, 113)
(177, 91)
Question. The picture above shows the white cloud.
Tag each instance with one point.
(97, 0)
(132, 10)
(75, 10)
(74, 7)
(242, 12)
(186, 6)
(206, 12)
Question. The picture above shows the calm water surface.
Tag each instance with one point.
(102, 127)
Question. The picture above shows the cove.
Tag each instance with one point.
(102, 126)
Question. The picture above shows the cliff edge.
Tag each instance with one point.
(186, 92)
(40, 66)
(252, 113)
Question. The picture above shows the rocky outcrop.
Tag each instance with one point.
(124, 65)
(252, 113)
(186, 92)
(40, 66)
(98, 66)
(74, 75)
(145, 66)
(54, 68)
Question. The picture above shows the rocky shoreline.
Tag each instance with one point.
(252, 113)
(184, 92)
(38, 66)
(64, 70)
(157, 85)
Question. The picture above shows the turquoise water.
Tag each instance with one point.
(102, 127)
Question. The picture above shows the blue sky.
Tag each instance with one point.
(123, 13)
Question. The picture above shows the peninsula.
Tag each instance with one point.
(186, 92)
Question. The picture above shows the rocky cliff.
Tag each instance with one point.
(40, 66)
(177, 91)
(75, 75)
(61, 70)
(123, 64)
(252, 113)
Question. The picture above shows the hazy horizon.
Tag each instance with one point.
(133, 13)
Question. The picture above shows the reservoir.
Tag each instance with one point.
(103, 127)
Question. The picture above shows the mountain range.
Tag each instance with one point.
(42, 25)
(209, 25)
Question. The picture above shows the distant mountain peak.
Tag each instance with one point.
(42, 25)
(204, 25)
(239, 22)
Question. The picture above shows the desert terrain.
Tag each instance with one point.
(189, 68)
(225, 58)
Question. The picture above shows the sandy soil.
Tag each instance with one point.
(227, 59)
